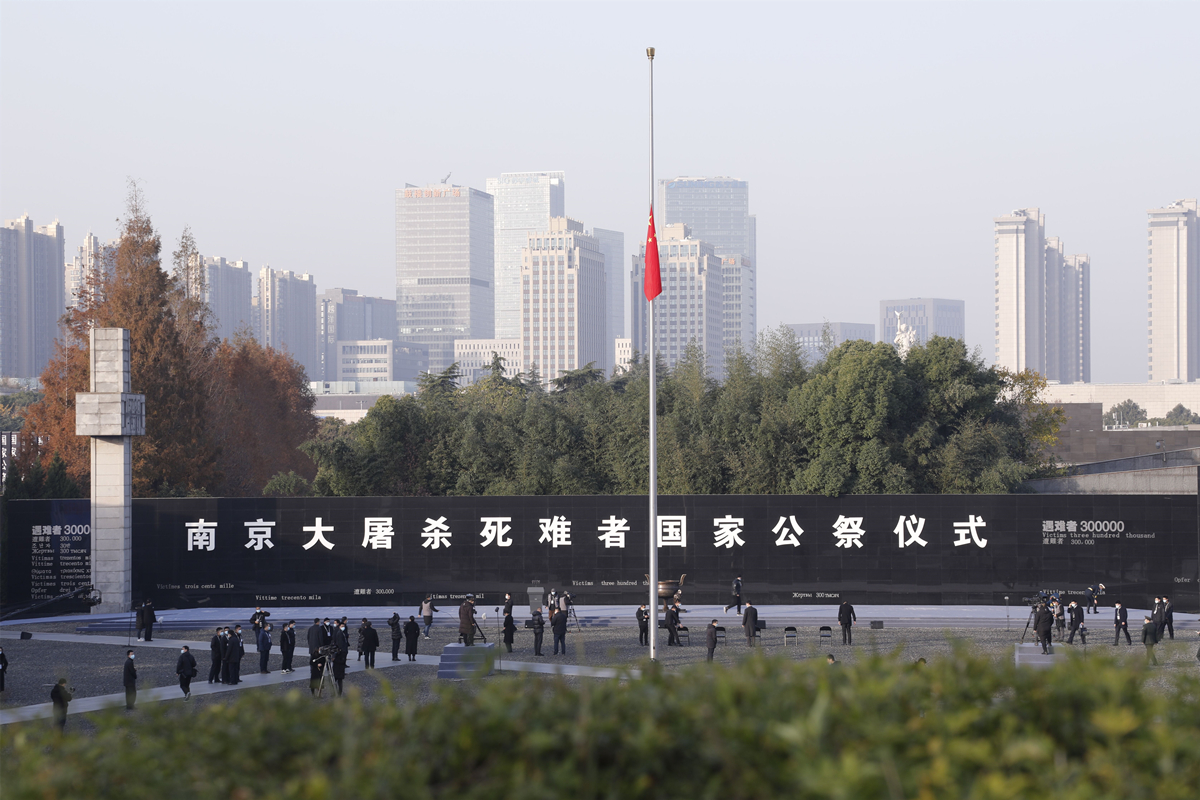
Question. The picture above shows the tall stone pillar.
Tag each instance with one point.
(110, 414)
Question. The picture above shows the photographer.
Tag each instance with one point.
(466, 620)
(1043, 623)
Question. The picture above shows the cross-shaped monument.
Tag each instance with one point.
(110, 414)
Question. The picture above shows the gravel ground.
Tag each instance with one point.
(97, 669)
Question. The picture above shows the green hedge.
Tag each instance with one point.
(961, 727)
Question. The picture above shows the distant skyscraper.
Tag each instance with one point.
(562, 282)
(1020, 312)
(91, 258)
(31, 295)
(1174, 292)
(228, 289)
(1076, 320)
(612, 245)
(343, 315)
(928, 316)
(691, 307)
(445, 260)
(286, 302)
(717, 211)
(811, 335)
(524, 203)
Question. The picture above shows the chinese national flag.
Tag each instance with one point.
(652, 284)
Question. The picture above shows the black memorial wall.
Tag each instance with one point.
(911, 549)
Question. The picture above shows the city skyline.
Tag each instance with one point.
(883, 110)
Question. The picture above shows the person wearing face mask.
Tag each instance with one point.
(185, 668)
(287, 645)
(342, 644)
(130, 681)
(233, 656)
(214, 646)
(264, 648)
(225, 635)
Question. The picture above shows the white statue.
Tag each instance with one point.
(906, 337)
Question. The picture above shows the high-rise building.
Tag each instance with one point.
(717, 211)
(1173, 300)
(927, 316)
(563, 310)
(1020, 297)
(31, 295)
(228, 287)
(612, 245)
(524, 203)
(344, 314)
(474, 357)
(445, 260)
(286, 302)
(691, 307)
(92, 258)
(738, 311)
(1075, 320)
(375, 361)
(816, 337)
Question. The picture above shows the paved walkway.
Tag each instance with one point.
(251, 680)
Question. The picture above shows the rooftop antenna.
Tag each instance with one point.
(448, 174)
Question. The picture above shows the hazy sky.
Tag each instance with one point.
(879, 139)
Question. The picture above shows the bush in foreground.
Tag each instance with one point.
(961, 727)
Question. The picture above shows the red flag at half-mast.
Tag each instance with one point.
(652, 283)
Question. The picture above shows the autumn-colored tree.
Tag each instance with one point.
(266, 414)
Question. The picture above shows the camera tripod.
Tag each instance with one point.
(326, 677)
(1028, 622)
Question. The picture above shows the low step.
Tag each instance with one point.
(1031, 655)
(460, 662)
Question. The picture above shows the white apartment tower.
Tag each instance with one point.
(691, 307)
(524, 203)
(228, 289)
(1020, 322)
(563, 307)
(92, 258)
(445, 262)
(286, 318)
(1173, 292)
(31, 295)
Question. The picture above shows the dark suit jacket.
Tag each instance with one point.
(673, 617)
(235, 648)
(643, 617)
(750, 620)
(846, 614)
(287, 641)
(1120, 617)
(1149, 633)
(264, 641)
(215, 647)
(186, 665)
(340, 642)
(1076, 616)
(710, 636)
(1044, 620)
(130, 673)
(370, 639)
(510, 627)
(559, 623)
(316, 637)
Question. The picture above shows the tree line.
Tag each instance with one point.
(222, 416)
(859, 420)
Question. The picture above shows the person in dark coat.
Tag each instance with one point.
(3, 668)
(847, 618)
(539, 628)
(736, 591)
(226, 634)
(643, 621)
(145, 620)
(370, 643)
(1149, 639)
(412, 635)
(508, 603)
(61, 698)
(1076, 612)
(1168, 618)
(185, 668)
(316, 638)
(1158, 615)
(466, 620)
(264, 649)
(1043, 626)
(558, 624)
(750, 623)
(710, 639)
(397, 635)
(258, 619)
(214, 646)
(236, 648)
(358, 643)
(510, 629)
(673, 624)
(130, 681)
(287, 646)
(1121, 623)
(341, 644)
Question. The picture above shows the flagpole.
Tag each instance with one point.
(653, 355)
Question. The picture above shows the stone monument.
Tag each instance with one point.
(110, 414)
(906, 337)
